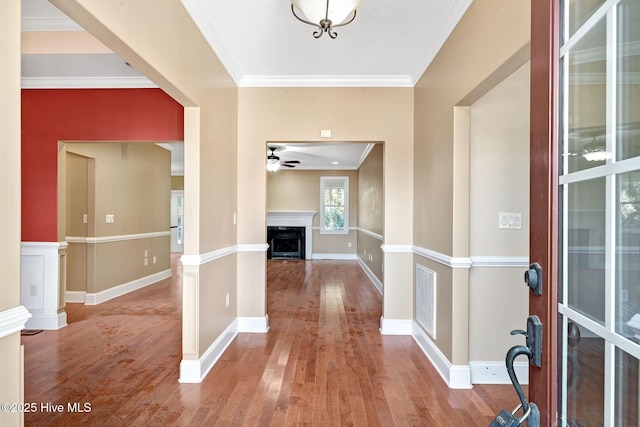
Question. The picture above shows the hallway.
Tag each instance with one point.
(322, 363)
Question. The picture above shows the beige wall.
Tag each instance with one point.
(456, 78)
(169, 49)
(177, 182)
(131, 181)
(10, 349)
(300, 190)
(499, 176)
(298, 114)
(371, 210)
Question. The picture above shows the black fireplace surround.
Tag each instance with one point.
(285, 242)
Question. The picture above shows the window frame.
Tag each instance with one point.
(345, 182)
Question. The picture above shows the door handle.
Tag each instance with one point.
(533, 278)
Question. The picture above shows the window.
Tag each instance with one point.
(334, 204)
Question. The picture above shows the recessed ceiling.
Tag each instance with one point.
(322, 155)
(260, 43)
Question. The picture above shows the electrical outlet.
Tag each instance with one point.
(349, 244)
(33, 291)
(146, 253)
(85, 218)
(154, 260)
(146, 261)
(227, 299)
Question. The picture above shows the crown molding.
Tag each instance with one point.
(453, 16)
(86, 82)
(201, 19)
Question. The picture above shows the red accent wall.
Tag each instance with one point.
(52, 115)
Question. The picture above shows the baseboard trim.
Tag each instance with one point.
(75, 296)
(334, 256)
(125, 288)
(455, 376)
(495, 372)
(258, 325)
(395, 326)
(47, 322)
(374, 280)
(194, 371)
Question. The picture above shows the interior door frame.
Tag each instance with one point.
(543, 243)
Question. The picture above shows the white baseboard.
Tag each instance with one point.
(455, 376)
(47, 322)
(395, 326)
(376, 282)
(125, 288)
(333, 256)
(75, 296)
(253, 324)
(495, 372)
(194, 371)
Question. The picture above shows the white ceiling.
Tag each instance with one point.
(260, 43)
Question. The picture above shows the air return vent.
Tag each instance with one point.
(426, 299)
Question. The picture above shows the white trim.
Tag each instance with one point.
(125, 288)
(374, 280)
(395, 326)
(365, 153)
(326, 81)
(194, 371)
(370, 233)
(334, 256)
(42, 267)
(253, 247)
(499, 261)
(258, 325)
(195, 260)
(396, 248)
(203, 22)
(13, 320)
(49, 322)
(453, 262)
(75, 296)
(456, 10)
(120, 238)
(495, 372)
(455, 376)
(115, 82)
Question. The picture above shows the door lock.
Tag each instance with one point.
(533, 278)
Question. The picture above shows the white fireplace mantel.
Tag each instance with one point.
(295, 219)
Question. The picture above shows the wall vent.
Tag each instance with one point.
(426, 299)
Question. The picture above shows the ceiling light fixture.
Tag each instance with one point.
(323, 14)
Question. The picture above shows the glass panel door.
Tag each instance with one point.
(599, 277)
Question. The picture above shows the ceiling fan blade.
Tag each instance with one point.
(286, 165)
(291, 161)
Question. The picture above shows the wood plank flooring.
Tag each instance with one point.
(322, 363)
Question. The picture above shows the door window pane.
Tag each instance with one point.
(586, 252)
(586, 147)
(580, 11)
(628, 80)
(626, 413)
(585, 378)
(627, 251)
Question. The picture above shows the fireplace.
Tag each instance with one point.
(295, 228)
(286, 242)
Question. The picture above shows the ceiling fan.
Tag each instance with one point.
(274, 163)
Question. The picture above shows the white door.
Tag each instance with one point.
(177, 216)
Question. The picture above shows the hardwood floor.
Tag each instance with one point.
(322, 363)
